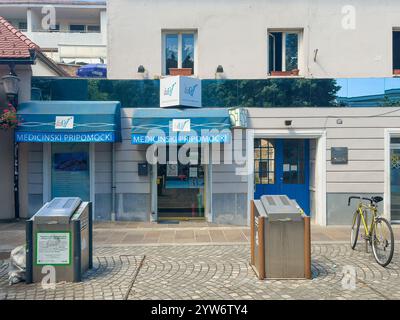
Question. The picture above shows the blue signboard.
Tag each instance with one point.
(138, 138)
(21, 136)
(68, 121)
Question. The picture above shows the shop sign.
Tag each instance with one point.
(222, 137)
(180, 91)
(181, 125)
(238, 117)
(65, 137)
(64, 122)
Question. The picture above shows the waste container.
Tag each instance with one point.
(280, 239)
(60, 235)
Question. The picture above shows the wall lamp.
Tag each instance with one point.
(141, 72)
(219, 73)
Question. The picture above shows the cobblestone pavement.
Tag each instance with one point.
(215, 272)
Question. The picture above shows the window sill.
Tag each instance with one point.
(170, 75)
(285, 77)
(181, 72)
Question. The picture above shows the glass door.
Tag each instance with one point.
(281, 166)
(70, 170)
(395, 179)
(180, 188)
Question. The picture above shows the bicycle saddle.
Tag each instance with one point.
(376, 199)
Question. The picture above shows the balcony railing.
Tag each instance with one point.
(63, 31)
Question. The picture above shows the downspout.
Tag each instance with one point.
(113, 187)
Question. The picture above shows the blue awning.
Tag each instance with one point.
(69, 121)
(167, 125)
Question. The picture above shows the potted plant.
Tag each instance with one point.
(180, 71)
(295, 72)
(8, 118)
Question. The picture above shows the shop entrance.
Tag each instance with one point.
(395, 179)
(281, 166)
(180, 186)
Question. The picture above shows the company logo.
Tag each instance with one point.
(64, 122)
(190, 90)
(169, 90)
(181, 125)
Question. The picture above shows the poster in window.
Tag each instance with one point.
(172, 170)
(193, 172)
(76, 161)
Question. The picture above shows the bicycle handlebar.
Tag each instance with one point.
(361, 198)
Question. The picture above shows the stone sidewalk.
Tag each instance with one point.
(198, 260)
(216, 272)
(143, 233)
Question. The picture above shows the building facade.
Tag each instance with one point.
(314, 83)
(67, 31)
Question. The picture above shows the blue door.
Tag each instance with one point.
(281, 166)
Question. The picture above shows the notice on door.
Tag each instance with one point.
(53, 248)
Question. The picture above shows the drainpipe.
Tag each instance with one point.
(113, 187)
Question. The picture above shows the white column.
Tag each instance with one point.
(103, 26)
(29, 23)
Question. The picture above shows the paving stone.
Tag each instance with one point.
(215, 272)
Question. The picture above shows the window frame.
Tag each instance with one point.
(179, 33)
(25, 24)
(271, 170)
(77, 31)
(92, 31)
(397, 30)
(284, 32)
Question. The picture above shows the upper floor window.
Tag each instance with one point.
(84, 28)
(179, 52)
(23, 26)
(396, 52)
(283, 57)
(77, 28)
(93, 28)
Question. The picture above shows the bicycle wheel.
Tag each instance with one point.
(355, 228)
(382, 241)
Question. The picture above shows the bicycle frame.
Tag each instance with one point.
(373, 209)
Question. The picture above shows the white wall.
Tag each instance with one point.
(234, 34)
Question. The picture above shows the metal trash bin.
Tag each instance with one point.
(280, 239)
(60, 235)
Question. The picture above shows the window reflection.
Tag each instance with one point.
(171, 52)
(188, 51)
(287, 92)
(291, 51)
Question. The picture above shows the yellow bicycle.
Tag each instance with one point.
(378, 233)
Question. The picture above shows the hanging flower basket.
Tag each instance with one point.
(8, 118)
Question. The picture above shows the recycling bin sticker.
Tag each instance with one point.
(53, 248)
